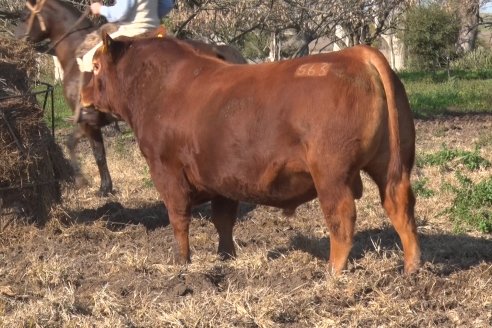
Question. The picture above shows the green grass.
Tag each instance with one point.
(146, 179)
(430, 97)
(420, 188)
(472, 205)
(449, 156)
(442, 76)
(121, 142)
(62, 110)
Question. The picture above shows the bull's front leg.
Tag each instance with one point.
(180, 221)
(174, 191)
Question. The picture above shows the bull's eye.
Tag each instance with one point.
(96, 67)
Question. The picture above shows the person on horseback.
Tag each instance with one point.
(164, 7)
(126, 18)
(132, 17)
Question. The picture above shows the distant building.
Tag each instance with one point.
(390, 45)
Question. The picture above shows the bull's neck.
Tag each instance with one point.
(128, 113)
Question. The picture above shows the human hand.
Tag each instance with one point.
(96, 8)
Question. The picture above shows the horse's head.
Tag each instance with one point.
(33, 22)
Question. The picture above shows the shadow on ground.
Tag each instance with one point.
(447, 252)
(151, 216)
(450, 252)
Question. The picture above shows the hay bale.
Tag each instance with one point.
(32, 164)
(17, 67)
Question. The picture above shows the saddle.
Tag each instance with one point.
(93, 38)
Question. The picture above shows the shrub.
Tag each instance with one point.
(476, 60)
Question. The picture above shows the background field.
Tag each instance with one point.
(109, 262)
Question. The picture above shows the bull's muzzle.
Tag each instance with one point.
(87, 115)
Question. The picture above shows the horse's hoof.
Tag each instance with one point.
(105, 192)
(81, 181)
(226, 256)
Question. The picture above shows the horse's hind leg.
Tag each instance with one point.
(94, 135)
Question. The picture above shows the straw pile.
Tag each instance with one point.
(31, 164)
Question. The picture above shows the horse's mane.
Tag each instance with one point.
(171, 43)
(69, 6)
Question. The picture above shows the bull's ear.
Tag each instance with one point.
(160, 31)
(112, 47)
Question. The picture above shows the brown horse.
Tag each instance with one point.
(65, 27)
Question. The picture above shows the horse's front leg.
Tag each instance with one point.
(94, 135)
(72, 142)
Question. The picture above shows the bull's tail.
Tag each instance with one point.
(379, 62)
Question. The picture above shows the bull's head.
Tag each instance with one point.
(98, 92)
(33, 24)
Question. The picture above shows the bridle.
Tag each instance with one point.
(36, 11)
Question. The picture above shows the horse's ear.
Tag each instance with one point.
(112, 47)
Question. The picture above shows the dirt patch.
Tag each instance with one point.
(111, 262)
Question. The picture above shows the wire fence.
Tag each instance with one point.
(47, 92)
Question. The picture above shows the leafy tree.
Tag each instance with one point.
(431, 34)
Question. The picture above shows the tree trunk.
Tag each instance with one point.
(274, 53)
(469, 17)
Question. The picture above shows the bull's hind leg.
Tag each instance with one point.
(337, 203)
(340, 214)
(224, 213)
(399, 202)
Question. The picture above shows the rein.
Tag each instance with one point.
(70, 30)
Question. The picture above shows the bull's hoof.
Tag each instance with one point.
(335, 271)
(411, 267)
(180, 260)
(289, 212)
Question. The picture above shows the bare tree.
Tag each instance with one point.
(368, 19)
(468, 12)
(289, 24)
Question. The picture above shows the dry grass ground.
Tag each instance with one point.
(110, 262)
